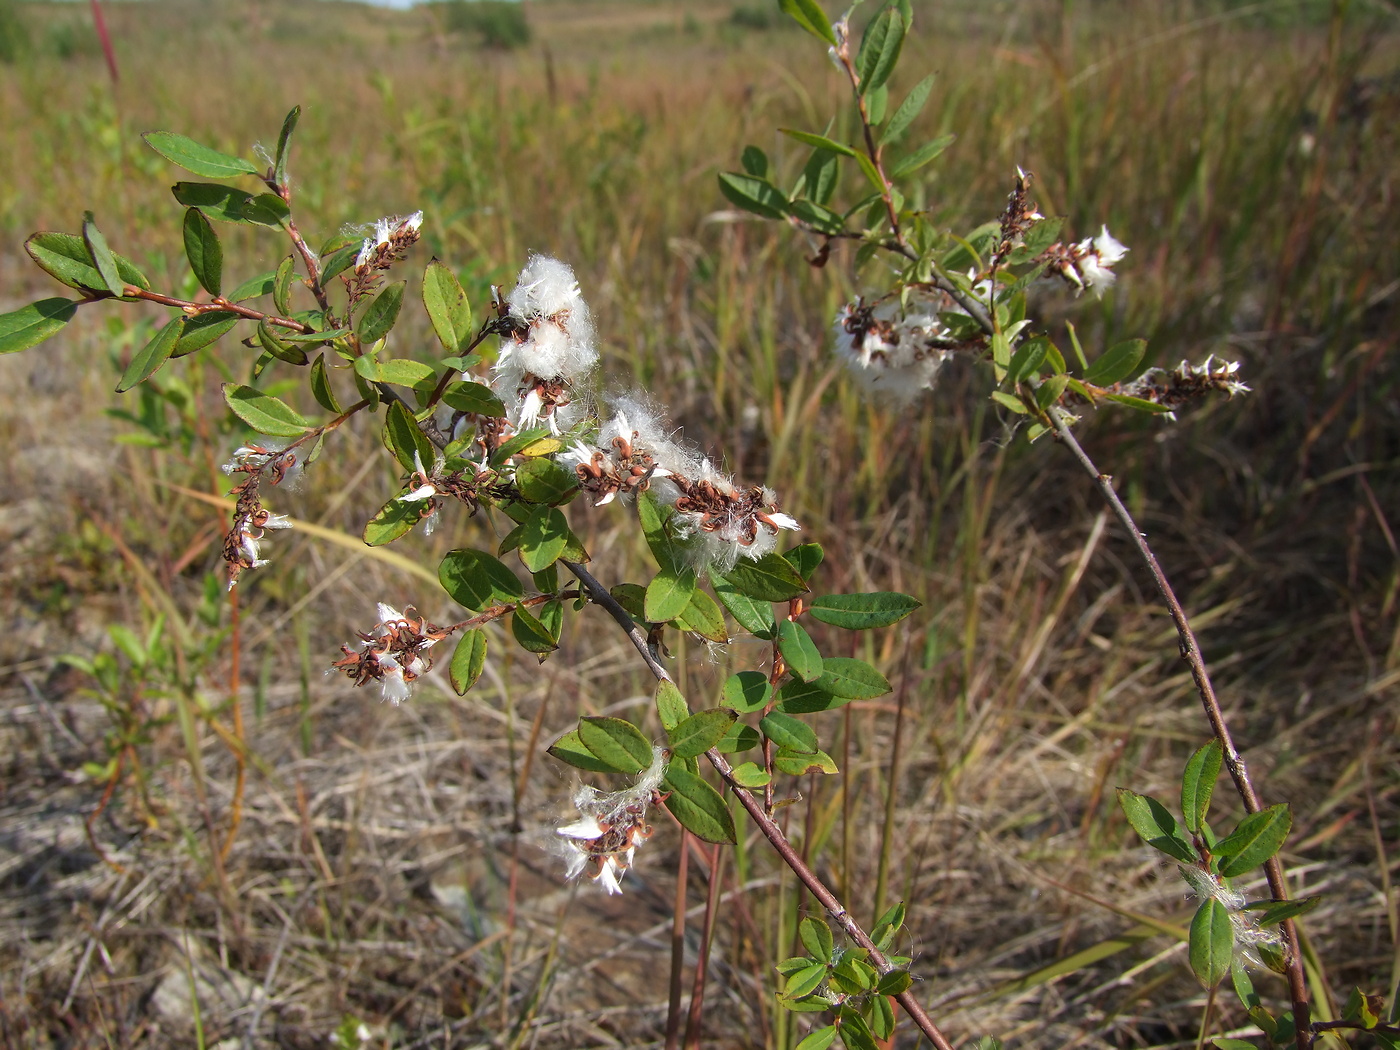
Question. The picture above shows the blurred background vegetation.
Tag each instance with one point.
(389, 864)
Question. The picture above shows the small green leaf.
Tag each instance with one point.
(468, 660)
(530, 634)
(797, 697)
(476, 580)
(1155, 825)
(1273, 912)
(544, 480)
(204, 329)
(254, 287)
(154, 354)
(1258, 837)
(770, 578)
(789, 732)
(806, 558)
(809, 15)
(754, 162)
(1138, 403)
(31, 325)
(1212, 943)
(101, 255)
(1026, 360)
(1198, 784)
(404, 439)
(921, 156)
(739, 739)
(908, 111)
(339, 261)
(800, 763)
(201, 160)
(699, 807)
(879, 49)
(670, 705)
(321, 386)
(65, 258)
(1221, 1042)
(265, 413)
(819, 141)
(569, 748)
(860, 612)
(701, 731)
(750, 775)
(284, 140)
(703, 617)
(1116, 363)
(746, 691)
(544, 536)
(752, 194)
(669, 593)
(852, 679)
(664, 547)
(473, 397)
(816, 938)
(380, 315)
(282, 285)
(799, 651)
(202, 249)
(821, 1039)
(881, 1014)
(617, 742)
(448, 309)
(396, 518)
(804, 982)
(752, 614)
(894, 982)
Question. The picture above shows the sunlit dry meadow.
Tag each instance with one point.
(394, 866)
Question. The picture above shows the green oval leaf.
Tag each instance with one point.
(1258, 837)
(223, 203)
(530, 633)
(396, 518)
(921, 156)
(473, 397)
(65, 258)
(204, 329)
(447, 306)
(569, 748)
(101, 255)
(702, 617)
(819, 141)
(800, 763)
(739, 739)
(699, 808)
(321, 388)
(701, 731)
(617, 742)
(1271, 913)
(746, 691)
(852, 679)
(790, 733)
(1212, 943)
(192, 156)
(1198, 784)
(669, 593)
(752, 614)
(863, 611)
(468, 660)
(254, 287)
(403, 438)
(908, 111)
(769, 578)
(154, 354)
(284, 139)
(816, 938)
(754, 194)
(1116, 363)
(264, 413)
(879, 49)
(544, 536)
(204, 252)
(381, 313)
(544, 480)
(1155, 825)
(809, 15)
(797, 697)
(30, 325)
(476, 580)
(750, 775)
(801, 654)
(671, 707)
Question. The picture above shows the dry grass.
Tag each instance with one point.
(393, 864)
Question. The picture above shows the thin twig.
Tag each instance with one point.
(1234, 763)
